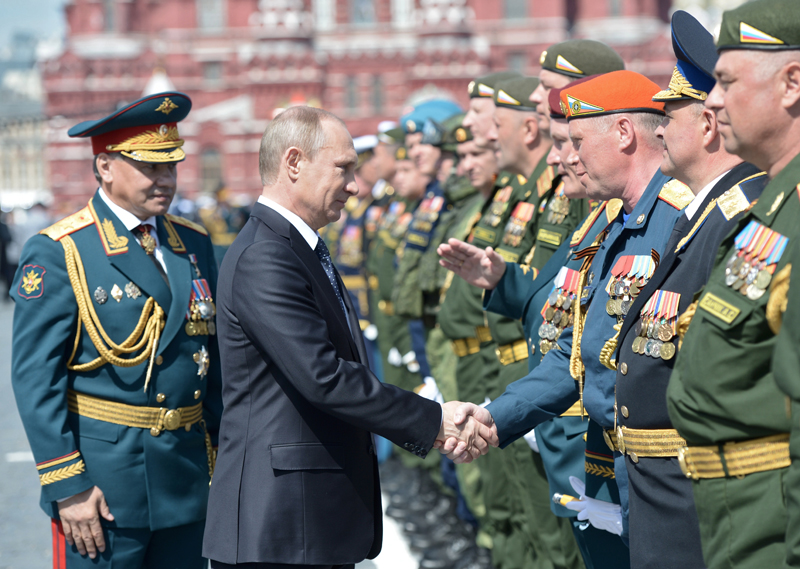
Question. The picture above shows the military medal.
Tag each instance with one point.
(659, 318)
(750, 268)
(202, 359)
(116, 293)
(515, 228)
(100, 295)
(498, 207)
(201, 311)
(148, 241)
(558, 207)
(193, 261)
(132, 291)
(556, 312)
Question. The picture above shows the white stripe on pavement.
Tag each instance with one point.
(23, 456)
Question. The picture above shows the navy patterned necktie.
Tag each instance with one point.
(325, 258)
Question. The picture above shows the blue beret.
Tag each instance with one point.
(437, 109)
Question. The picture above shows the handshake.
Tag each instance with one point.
(467, 431)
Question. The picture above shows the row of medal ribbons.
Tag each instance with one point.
(656, 326)
(758, 249)
(559, 309)
(628, 277)
(201, 311)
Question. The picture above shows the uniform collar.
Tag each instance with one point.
(127, 219)
(694, 205)
(308, 234)
(644, 207)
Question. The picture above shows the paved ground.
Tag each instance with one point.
(25, 541)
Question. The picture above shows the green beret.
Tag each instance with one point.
(581, 58)
(761, 24)
(515, 93)
(484, 86)
(455, 133)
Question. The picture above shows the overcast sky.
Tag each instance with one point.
(45, 18)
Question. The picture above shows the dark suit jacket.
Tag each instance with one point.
(296, 479)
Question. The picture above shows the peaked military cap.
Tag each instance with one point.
(392, 136)
(611, 93)
(761, 24)
(693, 76)
(437, 109)
(557, 109)
(145, 131)
(581, 58)
(363, 146)
(484, 86)
(514, 93)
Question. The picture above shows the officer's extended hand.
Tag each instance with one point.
(80, 517)
(479, 267)
(467, 432)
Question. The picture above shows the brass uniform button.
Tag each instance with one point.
(624, 411)
(160, 397)
(155, 432)
(197, 394)
(640, 219)
(159, 360)
(623, 368)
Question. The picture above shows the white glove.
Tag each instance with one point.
(410, 357)
(530, 438)
(602, 515)
(371, 332)
(394, 357)
(431, 391)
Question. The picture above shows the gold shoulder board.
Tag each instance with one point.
(182, 221)
(613, 208)
(69, 224)
(677, 194)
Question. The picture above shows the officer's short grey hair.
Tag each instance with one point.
(299, 127)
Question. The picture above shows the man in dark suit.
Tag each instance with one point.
(296, 481)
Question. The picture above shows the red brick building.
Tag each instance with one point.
(364, 60)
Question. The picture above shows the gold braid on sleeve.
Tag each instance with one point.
(144, 337)
(777, 303)
(682, 325)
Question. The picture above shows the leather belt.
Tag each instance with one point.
(354, 282)
(466, 346)
(156, 419)
(386, 306)
(514, 352)
(736, 459)
(574, 411)
(645, 443)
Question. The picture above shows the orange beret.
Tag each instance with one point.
(557, 109)
(610, 93)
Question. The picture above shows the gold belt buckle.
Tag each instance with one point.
(172, 420)
(684, 463)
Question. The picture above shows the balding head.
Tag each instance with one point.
(299, 127)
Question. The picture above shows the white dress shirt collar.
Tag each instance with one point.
(694, 205)
(129, 220)
(308, 234)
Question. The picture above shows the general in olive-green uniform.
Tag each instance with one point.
(115, 363)
(722, 396)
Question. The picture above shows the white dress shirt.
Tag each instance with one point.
(131, 222)
(694, 205)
